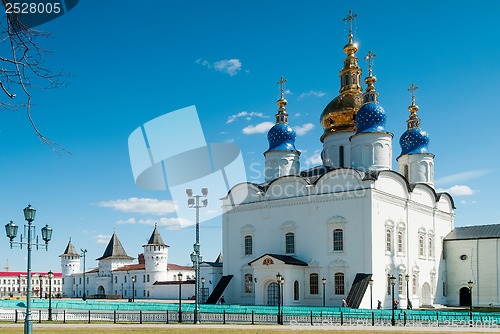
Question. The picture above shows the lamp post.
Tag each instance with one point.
(50, 275)
(324, 284)
(194, 203)
(282, 298)
(133, 289)
(408, 302)
(203, 290)
(392, 280)
(370, 282)
(11, 231)
(179, 278)
(84, 251)
(470, 284)
(278, 280)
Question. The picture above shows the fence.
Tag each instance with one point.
(291, 316)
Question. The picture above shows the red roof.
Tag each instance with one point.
(172, 266)
(23, 273)
(138, 266)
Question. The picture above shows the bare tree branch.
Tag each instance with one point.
(24, 69)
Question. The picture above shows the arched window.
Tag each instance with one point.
(421, 246)
(400, 241)
(248, 283)
(296, 290)
(338, 239)
(406, 172)
(341, 156)
(431, 247)
(339, 284)
(414, 285)
(313, 284)
(388, 240)
(248, 245)
(290, 243)
(400, 284)
(272, 294)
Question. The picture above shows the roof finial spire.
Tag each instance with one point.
(371, 94)
(281, 116)
(350, 19)
(413, 121)
(369, 59)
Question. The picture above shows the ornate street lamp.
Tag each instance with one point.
(370, 282)
(133, 288)
(278, 280)
(323, 281)
(408, 301)
(392, 280)
(11, 231)
(470, 284)
(50, 275)
(282, 298)
(194, 203)
(179, 278)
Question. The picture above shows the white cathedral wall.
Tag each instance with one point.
(312, 219)
(371, 151)
(281, 163)
(480, 265)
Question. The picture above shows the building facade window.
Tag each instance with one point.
(400, 284)
(388, 240)
(290, 243)
(338, 240)
(296, 290)
(341, 156)
(406, 172)
(313, 284)
(400, 241)
(339, 283)
(248, 283)
(421, 246)
(414, 285)
(388, 285)
(431, 246)
(444, 288)
(248, 245)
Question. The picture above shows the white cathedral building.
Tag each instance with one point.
(349, 223)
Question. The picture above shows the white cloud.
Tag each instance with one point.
(141, 205)
(303, 129)
(246, 114)
(170, 223)
(228, 66)
(459, 190)
(288, 92)
(102, 238)
(464, 202)
(259, 128)
(314, 159)
(464, 176)
(312, 93)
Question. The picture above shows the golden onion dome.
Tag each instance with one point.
(340, 113)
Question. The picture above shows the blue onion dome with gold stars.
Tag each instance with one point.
(281, 136)
(371, 117)
(414, 140)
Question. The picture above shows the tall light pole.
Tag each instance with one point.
(324, 284)
(133, 289)
(50, 275)
(392, 280)
(194, 203)
(370, 282)
(11, 231)
(470, 284)
(84, 251)
(278, 280)
(203, 290)
(408, 302)
(282, 298)
(179, 278)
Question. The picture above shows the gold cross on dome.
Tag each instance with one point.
(350, 18)
(369, 58)
(281, 83)
(412, 89)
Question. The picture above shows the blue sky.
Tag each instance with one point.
(131, 63)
